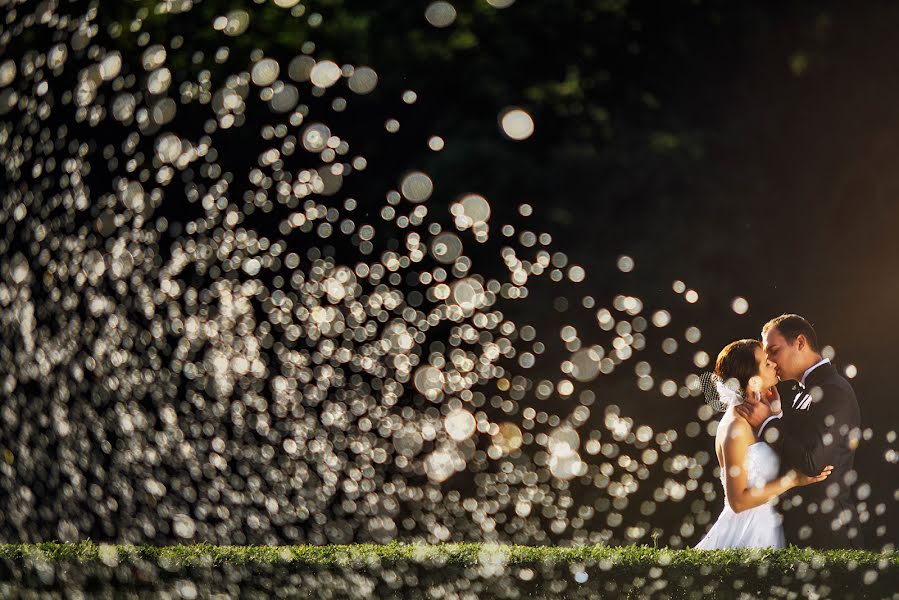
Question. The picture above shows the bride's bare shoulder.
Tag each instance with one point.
(734, 426)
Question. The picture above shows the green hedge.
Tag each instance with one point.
(475, 571)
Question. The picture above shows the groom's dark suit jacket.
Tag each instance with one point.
(820, 426)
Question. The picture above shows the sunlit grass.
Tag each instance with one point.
(487, 571)
(454, 554)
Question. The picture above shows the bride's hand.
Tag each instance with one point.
(800, 479)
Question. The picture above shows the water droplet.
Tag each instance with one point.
(325, 74)
(440, 465)
(471, 210)
(363, 80)
(19, 268)
(440, 14)
(625, 264)
(315, 137)
(517, 124)
(236, 22)
(446, 247)
(7, 72)
(417, 187)
(460, 424)
(153, 57)
(740, 305)
(300, 68)
(468, 294)
(429, 382)
(184, 526)
(265, 71)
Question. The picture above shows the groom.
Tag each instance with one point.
(819, 425)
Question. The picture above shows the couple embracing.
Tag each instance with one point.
(785, 443)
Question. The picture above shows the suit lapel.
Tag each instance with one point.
(820, 375)
(803, 398)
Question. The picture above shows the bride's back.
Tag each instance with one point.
(726, 435)
(761, 464)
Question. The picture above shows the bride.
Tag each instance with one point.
(749, 468)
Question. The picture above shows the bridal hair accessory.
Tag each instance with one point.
(720, 394)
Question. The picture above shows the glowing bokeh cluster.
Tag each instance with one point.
(174, 374)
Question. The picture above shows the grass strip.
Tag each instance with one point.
(461, 554)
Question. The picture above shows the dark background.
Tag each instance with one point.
(746, 148)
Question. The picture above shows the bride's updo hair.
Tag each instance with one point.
(737, 361)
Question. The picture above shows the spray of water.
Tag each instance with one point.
(205, 338)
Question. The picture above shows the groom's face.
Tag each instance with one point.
(785, 356)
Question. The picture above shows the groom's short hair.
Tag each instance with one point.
(792, 326)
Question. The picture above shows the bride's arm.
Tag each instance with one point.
(740, 495)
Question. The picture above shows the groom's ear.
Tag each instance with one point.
(801, 342)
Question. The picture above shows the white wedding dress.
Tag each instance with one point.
(758, 527)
